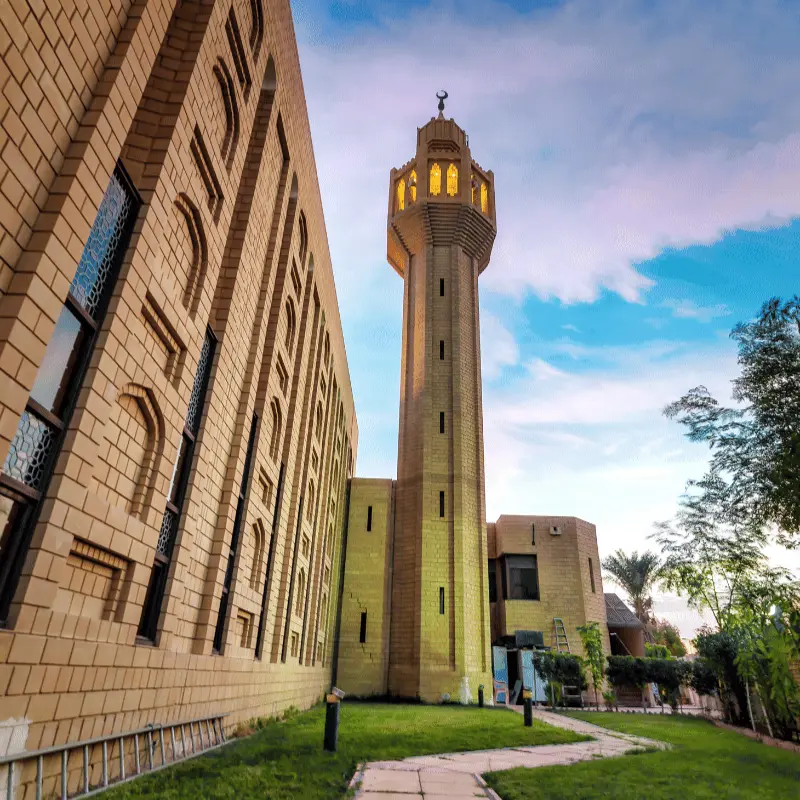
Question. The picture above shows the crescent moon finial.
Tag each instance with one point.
(442, 95)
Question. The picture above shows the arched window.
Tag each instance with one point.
(401, 194)
(474, 186)
(301, 592)
(258, 553)
(452, 180)
(291, 324)
(412, 186)
(326, 349)
(330, 539)
(310, 506)
(484, 198)
(303, 239)
(318, 422)
(277, 424)
(436, 180)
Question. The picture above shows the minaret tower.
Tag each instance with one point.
(440, 234)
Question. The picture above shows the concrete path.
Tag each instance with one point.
(457, 775)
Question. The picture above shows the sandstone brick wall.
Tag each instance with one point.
(212, 129)
(564, 584)
(363, 666)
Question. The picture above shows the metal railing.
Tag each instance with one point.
(156, 755)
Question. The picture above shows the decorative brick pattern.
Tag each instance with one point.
(87, 86)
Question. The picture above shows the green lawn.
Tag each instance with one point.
(286, 760)
(705, 762)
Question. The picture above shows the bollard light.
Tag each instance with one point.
(332, 705)
(527, 707)
(480, 696)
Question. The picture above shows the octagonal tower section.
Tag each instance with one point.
(441, 227)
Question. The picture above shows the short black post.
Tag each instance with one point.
(528, 712)
(480, 696)
(331, 725)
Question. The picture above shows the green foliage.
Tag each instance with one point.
(717, 650)
(704, 763)
(756, 446)
(285, 759)
(562, 668)
(636, 574)
(669, 673)
(666, 633)
(657, 650)
(703, 679)
(610, 698)
(592, 640)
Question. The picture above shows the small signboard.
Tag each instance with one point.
(527, 694)
(338, 692)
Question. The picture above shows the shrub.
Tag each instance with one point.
(656, 650)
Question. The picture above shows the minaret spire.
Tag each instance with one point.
(442, 95)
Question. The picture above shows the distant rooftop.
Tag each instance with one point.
(619, 615)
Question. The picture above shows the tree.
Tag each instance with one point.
(754, 473)
(666, 633)
(592, 641)
(636, 574)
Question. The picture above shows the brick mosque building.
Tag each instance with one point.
(180, 530)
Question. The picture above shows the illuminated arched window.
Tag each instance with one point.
(401, 194)
(436, 180)
(452, 180)
(484, 198)
(412, 185)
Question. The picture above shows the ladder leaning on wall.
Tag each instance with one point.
(560, 641)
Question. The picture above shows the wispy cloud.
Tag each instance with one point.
(688, 309)
(499, 348)
(614, 130)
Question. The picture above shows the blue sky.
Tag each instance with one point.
(647, 173)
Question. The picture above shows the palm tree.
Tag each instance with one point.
(636, 574)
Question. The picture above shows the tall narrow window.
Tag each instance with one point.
(533, 533)
(412, 186)
(291, 325)
(591, 575)
(151, 610)
(241, 502)
(484, 198)
(436, 180)
(441, 599)
(441, 504)
(452, 180)
(362, 634)
(369, 518)
(441, 350)
(401, 194)
(28, 466)
(301, 592)
(441, 422)
(441, 287)
(310, 506)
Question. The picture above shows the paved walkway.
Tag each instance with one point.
(457, 775)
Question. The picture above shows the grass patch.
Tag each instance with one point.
(286, 760)
(705, 763)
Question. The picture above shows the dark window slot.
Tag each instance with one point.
(362, 634)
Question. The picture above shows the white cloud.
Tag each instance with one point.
(499, 348)
(688, 309)
(571, 327)
(614, 130)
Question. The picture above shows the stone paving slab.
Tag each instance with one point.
(457, 775)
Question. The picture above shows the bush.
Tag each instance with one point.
(656, 650)
(668, 673)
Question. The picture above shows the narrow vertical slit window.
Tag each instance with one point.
(28, 467)
(369, 518)
(591, 576)
(362, 634)
(533, 533)
(441, 350)
(441, 504)
(441, 599)
(441, 422)
(241, 504)
(151, 610)
(441, 287)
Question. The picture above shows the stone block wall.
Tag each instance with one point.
(200, 104)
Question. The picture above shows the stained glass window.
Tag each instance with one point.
(412, 185)
(436, 180)
(452, 180)
(484, 198)
(401, 194)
